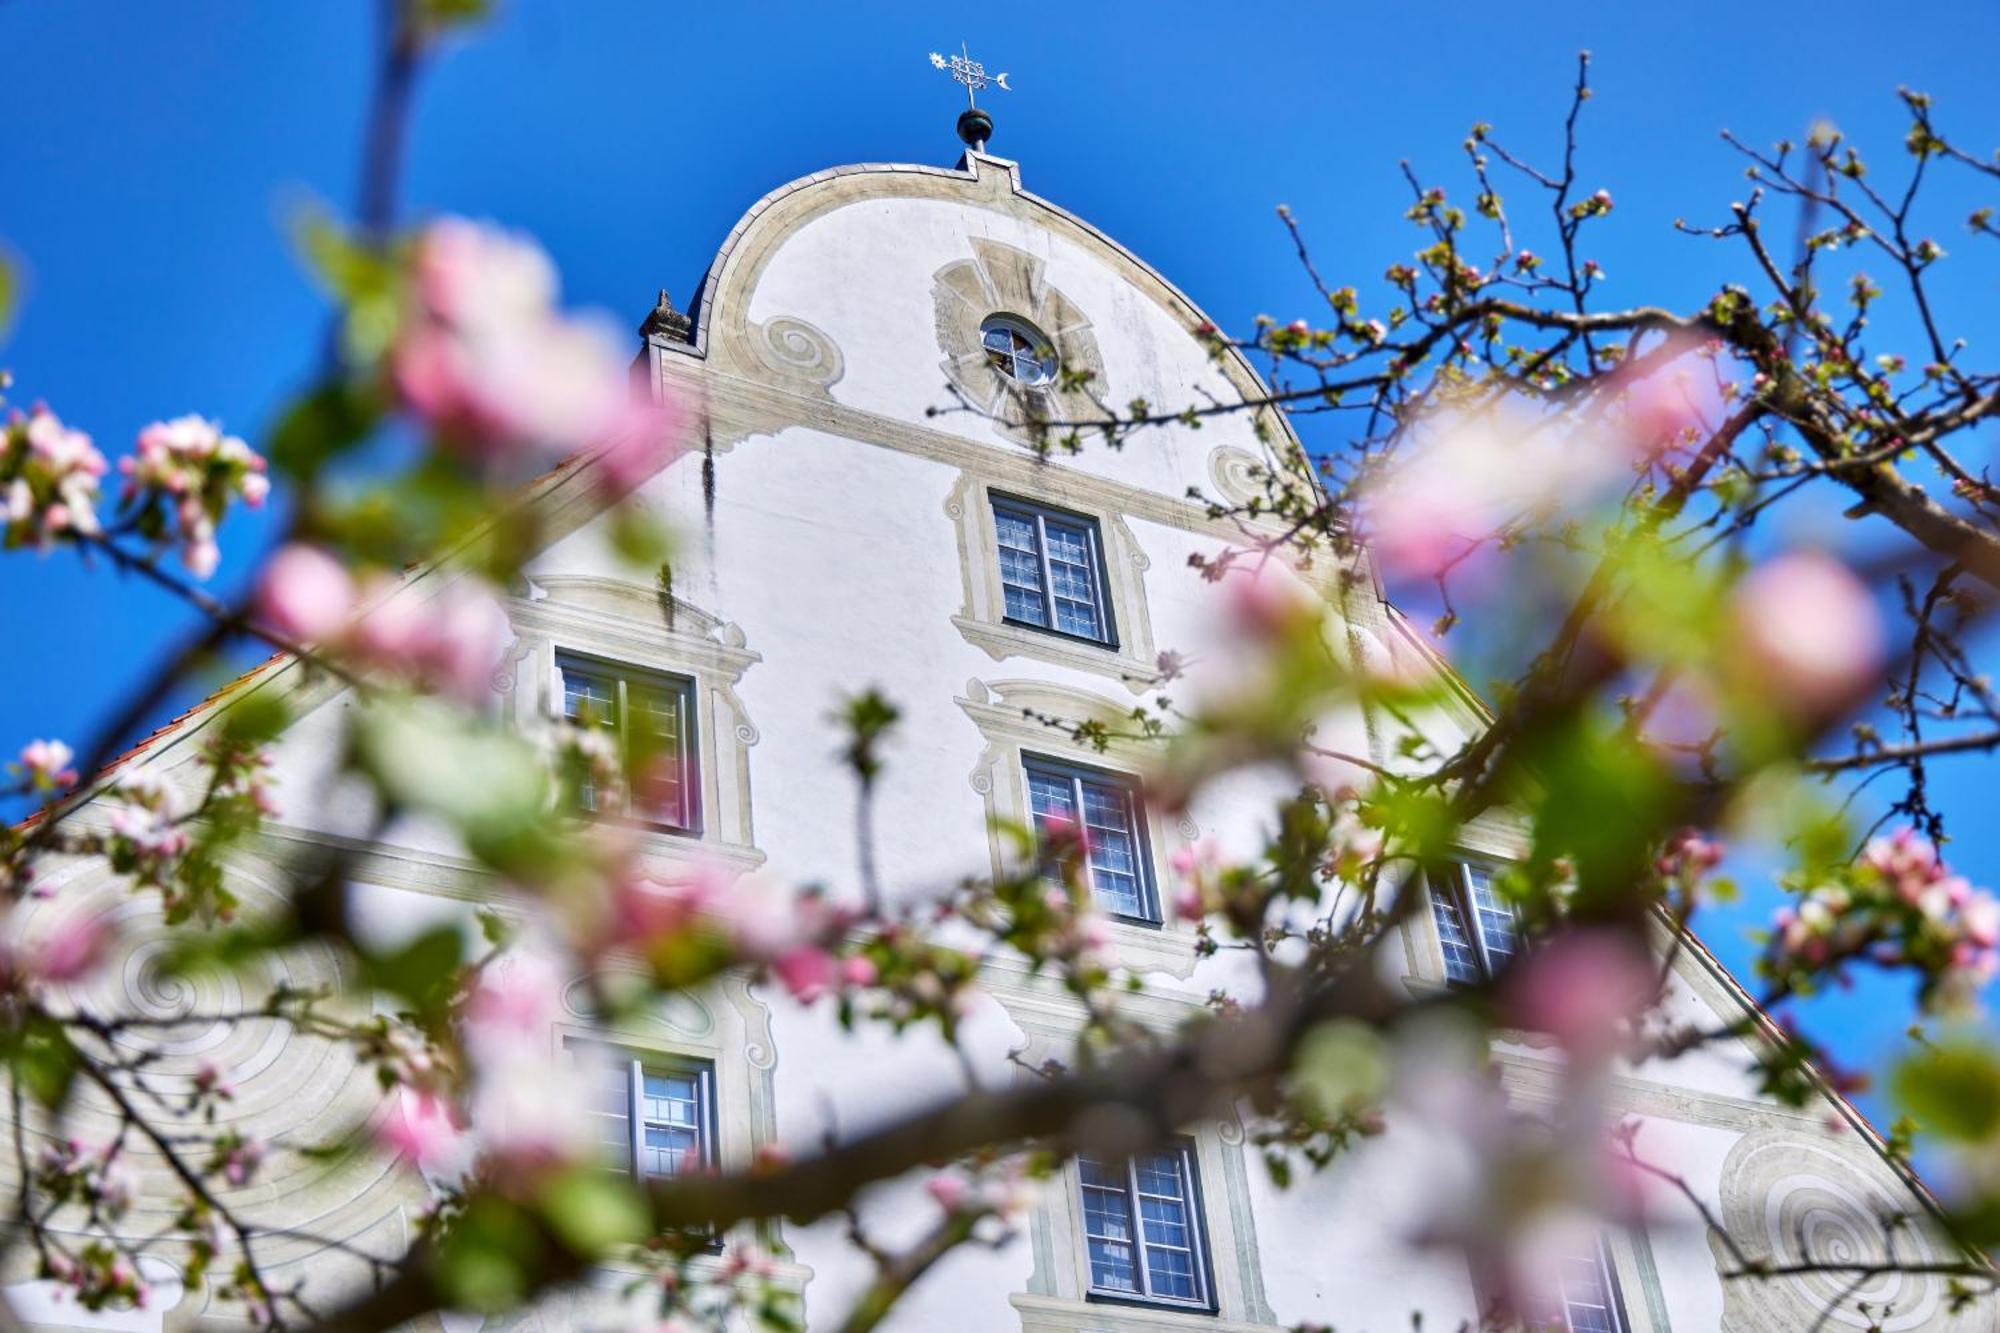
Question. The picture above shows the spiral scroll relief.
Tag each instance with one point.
(798, 350)
(1791, 1198)
(289, 1091)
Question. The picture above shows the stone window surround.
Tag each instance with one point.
(1132, 660)
(626, 624)
(724, 1026)
(997, 709)
(1058, 1298)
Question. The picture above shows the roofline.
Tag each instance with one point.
(971, 165)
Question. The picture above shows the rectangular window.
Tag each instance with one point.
(1160, 1257)
(657, 1111)
(650, 718)
(1051, 571)
(1107, 806)
(1587, 1296)
(1474, 924)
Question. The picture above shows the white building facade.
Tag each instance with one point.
(835, 531)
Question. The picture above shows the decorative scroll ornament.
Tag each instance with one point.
(1791, 1198)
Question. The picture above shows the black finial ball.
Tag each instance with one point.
(975, 127)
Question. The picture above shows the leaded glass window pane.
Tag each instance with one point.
(1021, 568)
(1476, 927)
(1497, 930)
(1073, 578)
(1114, 863)
(1162, 1261)
(1461, 960)
(1051, 575)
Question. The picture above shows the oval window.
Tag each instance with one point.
(1018, 350)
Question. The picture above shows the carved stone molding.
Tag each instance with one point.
(980, 618)
(1792, 1198)
(1000, 709)
(1001, 279)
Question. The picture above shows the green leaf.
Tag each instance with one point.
(43, 1060)
(482, 1260)
(256, 718)
(424, 971)
(426, 755)
(592, 1211)
(1953, 1090)
(323, 425)
(10, 289)
(1339, 1067)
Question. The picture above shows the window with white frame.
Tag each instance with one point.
(1143, 1230)
(1475, 925)
(650, 717)
(1106, 809)
(1052, 571)
(654, 1114)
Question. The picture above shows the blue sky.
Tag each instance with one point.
(154, 153)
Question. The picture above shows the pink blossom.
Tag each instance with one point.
(642, 442)
(1582, 988)
(488, 361)
(1268, 600)
(519, 996)
(45, 764)
(240, 1160)
(950, 1191)
(1905, 859)
(761, 920)
(73, 950)
(808, 972)
(1980, 918)
(1689, 853)
(305, 594)
(1471, 477)
(418, 1129)
(646, 910)
(189, 463)
(51, 476)
(479, 276)
(451, 642)
(858, 970)
(1807, 636)
(1189, 904)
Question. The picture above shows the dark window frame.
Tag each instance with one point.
(1037, 513)
(624, 675)
(1204, 1270)
(1142, 847)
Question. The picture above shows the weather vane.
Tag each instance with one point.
(964, 69)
